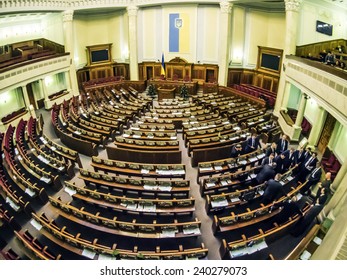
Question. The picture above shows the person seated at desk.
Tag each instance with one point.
(273, 190)
(322, 55)
(252, 143)
(236, 151)
(330, 59)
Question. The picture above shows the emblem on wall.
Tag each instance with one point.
(178, 22)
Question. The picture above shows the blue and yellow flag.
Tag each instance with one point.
(162, 71)
(179, 33)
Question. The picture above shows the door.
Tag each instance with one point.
(326, 133)
(31, 95)
(149, 72)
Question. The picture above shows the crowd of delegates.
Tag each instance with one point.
(279, 158)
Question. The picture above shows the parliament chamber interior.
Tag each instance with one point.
(165, 130)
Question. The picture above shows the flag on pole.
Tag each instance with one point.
(162, 72)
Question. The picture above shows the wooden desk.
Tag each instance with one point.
(164, 93)
(191, 86)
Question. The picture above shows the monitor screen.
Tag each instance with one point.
(325, 28)
(270, 61)
(100, 55)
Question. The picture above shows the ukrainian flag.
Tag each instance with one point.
(179, 33)
(162, 71)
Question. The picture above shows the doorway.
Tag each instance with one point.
(327, 131)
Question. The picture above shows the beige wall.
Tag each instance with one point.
(312, 12)
(54, 28)
(263, 29)
(10, 101)
(191, 12)
(238, 30)
(101, 29)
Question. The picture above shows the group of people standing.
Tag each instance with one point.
(279, 158)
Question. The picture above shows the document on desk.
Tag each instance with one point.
(168, 233)
(29, 192)
(105, 257)
(36, 224)
(191, 230)
(144, 171)
(253, 159)
(210, 185)
(205, 169)
(257, 247)
(165, 189)
(305, 255)
(238, 252)
(219, 203)
(70, 191)
(317, 240)
(88, 253)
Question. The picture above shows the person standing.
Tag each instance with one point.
(253, 143)
(273, 190)
(282, 144)
(312, 179)
(307, 167)
(271, 150)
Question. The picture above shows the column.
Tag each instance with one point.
(299, 117)
(292, 20)
(25, 96)
(69, 47)
(301, 110)
(29, 106)
(339, 185)
(224, 37)
(317, 126)
(44, 88)
(286, 94)
(134, 69)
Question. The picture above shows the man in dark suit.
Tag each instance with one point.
(267, 172)
(312, 179)
(268, 160)
(282, 144)
(299, 155)
(271, 150)
(290, 158)
(289, 208)
(252, 144)
(281, 163)
(236, 151)
(273, 190)
(307, 166)
(301, 226)
(307, 153)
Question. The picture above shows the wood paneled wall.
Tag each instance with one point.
(316, 48)
(253, 77)
(103, 71)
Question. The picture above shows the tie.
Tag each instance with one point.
(308, 162)
(253, 142)
(314, 172)
(282, 145)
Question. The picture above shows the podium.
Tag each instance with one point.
(166, 93)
